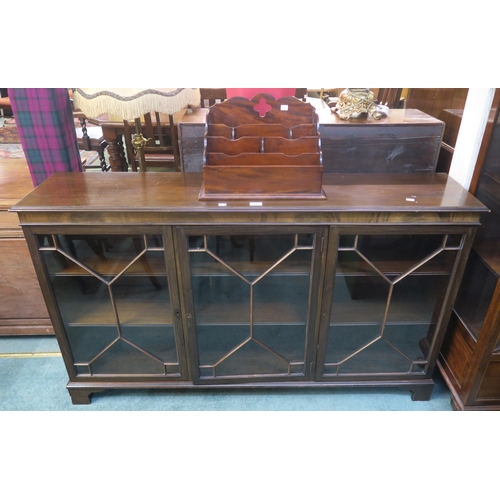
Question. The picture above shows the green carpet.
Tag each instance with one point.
(39, 384)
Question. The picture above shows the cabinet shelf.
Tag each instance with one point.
(392, 268)
(270, 313)
(250, 269)
(366, 312)
(153, 266)
(146, 307)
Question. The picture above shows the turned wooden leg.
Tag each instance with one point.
(117, 162)
(115, 157)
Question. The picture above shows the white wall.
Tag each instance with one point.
(470, 135)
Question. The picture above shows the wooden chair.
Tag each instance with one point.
(91, 139)
(209, 97)
(160, 151)
(389, 97)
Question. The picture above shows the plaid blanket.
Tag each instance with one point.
(46, 128)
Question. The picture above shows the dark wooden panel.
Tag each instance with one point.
(491, 382)
(457, 350)
(434, 100)
(453, 120)
(379, 154)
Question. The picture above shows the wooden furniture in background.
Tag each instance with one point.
(161, 152)
(262, 149)
(121, 153)
(389, 97)
(22, 308)
(351, 291)
(211, 96)
(91, 139)
(470, 355)
(444, 104)
(408, 140)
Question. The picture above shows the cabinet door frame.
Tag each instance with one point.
(188, 307)
(443, 317)
(31, 234)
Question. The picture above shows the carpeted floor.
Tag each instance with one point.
(9, 135)
(11, 151)
(10, 147)
(37, 382)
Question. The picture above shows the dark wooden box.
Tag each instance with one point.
(405, 141)
(408, 140)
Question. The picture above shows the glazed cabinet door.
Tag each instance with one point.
(116, 302)
(251, 297)
(387, 300)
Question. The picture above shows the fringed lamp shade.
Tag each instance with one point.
(129, 104)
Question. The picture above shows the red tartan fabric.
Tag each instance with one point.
(46, 128)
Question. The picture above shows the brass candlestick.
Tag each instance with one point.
(138, 142)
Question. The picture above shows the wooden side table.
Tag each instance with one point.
(22, 308)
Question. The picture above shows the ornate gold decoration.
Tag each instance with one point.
(356, 101)
(138, 142)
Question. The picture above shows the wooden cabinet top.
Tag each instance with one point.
(326, 117)
(122, 197)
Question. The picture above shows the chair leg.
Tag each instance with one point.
(102, 158)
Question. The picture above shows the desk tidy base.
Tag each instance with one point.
(262, 148)
(149, 287)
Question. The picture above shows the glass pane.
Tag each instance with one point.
(388, 293)
(362, 349)
(251, 295)
(114, 302)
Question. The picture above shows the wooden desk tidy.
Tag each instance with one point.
(262, 149)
